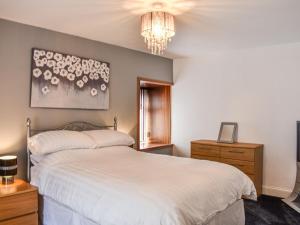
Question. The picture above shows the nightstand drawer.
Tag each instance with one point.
(18, 205)
(245, 166)
(211, 158)
(238, 153)
(205, 150)
(31, 219)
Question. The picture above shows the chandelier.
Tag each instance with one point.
(157, 29)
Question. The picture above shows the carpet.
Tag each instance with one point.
(270, 211)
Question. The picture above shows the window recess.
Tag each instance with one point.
(154, 114)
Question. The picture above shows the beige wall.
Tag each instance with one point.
(259, 89)
(16, 41)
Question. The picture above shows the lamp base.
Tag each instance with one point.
(8, 180)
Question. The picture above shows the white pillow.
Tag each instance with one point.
(105, 138)
(53, 141)
(35, 159)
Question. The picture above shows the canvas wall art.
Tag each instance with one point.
(66, 81)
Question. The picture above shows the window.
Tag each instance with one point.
(144, 116)
(154, 122)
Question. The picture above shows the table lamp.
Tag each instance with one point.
(8, 168)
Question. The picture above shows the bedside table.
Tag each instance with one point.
(18, 204)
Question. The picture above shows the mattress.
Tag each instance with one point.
(120, 186)
(54, 213)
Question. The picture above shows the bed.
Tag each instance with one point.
(116, 185)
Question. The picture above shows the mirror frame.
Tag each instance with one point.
(234, 132)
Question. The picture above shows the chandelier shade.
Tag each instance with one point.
(157, 29)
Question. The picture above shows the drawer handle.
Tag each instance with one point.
(207, 149)
(240, 165)
(236, 164)
(239, 152)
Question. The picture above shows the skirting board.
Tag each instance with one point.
(275, 191)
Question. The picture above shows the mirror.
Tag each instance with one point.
(228, 132)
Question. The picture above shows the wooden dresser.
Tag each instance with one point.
(18, 204)
(245, 156)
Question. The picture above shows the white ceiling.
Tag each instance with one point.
(202, 25)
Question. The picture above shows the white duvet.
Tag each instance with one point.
(120, 186)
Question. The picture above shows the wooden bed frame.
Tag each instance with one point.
(73, 126)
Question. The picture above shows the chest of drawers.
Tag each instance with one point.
(18, 204)
(244, 156)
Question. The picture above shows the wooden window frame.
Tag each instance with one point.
(155, 83)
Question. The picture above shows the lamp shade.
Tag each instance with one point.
(157, 28)
(8, 165)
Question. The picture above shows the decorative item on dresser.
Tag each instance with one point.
(245, 156)
(228, 132)
(18, 204)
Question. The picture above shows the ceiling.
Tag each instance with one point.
(201, 25)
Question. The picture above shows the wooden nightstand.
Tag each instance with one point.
(18, 204)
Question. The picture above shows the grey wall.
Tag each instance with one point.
(16, 41)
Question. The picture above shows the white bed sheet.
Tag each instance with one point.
(53, 213)
(120, 186)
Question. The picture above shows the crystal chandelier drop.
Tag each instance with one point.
(157, 30)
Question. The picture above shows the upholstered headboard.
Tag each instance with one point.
(73, 126)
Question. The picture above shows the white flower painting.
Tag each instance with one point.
(80, 83)
(45, 90)
(54, 80)
(37, 72)
(47, 75)
(66, 81)
(94, 92)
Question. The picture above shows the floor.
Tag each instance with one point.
(270, 211)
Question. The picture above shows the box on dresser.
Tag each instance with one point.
(18, 204)
(247, 157)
